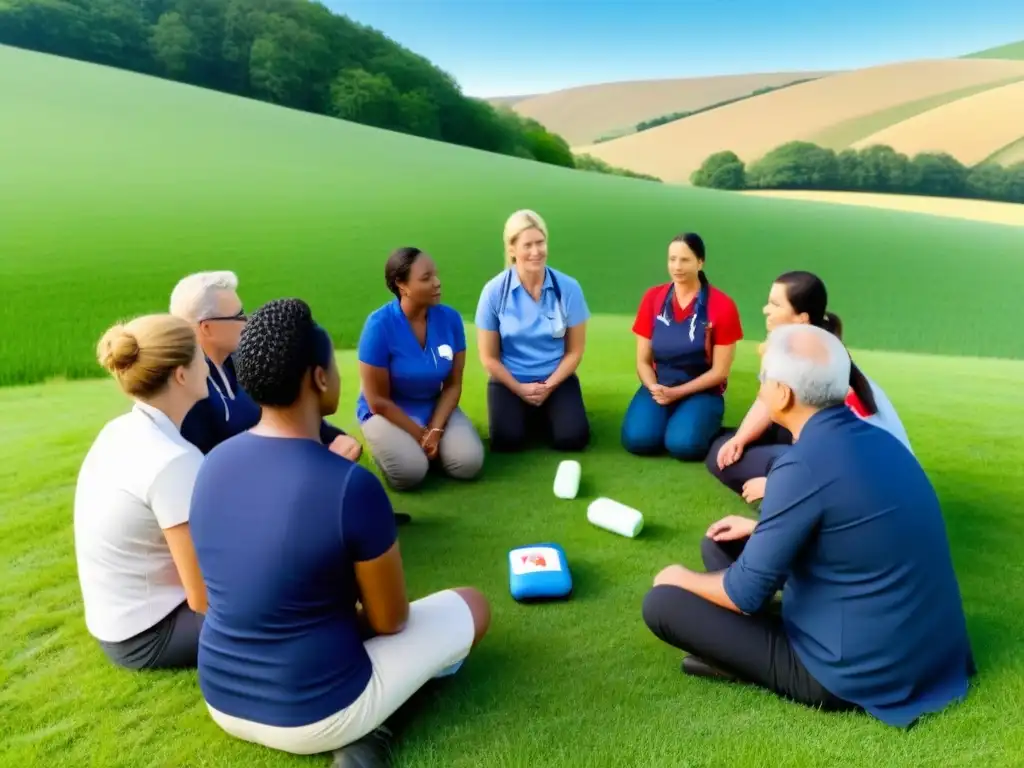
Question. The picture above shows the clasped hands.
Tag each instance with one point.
(535, 393)
(663, 395)
(430, 441)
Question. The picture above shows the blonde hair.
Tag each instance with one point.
(517, 223)
(143, 354)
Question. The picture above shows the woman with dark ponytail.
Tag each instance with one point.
(686, 333)
(741, 458)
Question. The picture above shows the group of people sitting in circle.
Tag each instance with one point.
(223, 523)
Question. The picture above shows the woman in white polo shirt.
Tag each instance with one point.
(143, 592)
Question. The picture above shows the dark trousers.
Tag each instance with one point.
(172, 643)
(560, 421)
(754, 648)
(756, 460)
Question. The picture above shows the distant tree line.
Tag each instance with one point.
(295, 53)
(654, 122)
(877, 168)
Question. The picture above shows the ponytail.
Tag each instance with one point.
(830, 322)
(862, 389)
(703, 278)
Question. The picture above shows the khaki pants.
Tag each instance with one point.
(404, 464)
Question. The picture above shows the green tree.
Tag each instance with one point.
(988, 181)
(1015, 183)
(358, 96)
(795, 165)
(721, 170)
(883, 169)
(939, 174)
(175, 46)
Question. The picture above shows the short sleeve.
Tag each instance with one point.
(373, 342)
(790, 512)
(727, 326)
(575, 303)
(367, 518)
(170, 496)
(458, 331)
(643, 325)
(486, 309)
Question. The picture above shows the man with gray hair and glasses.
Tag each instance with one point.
(850, 526)
(210, 302)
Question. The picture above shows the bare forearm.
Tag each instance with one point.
(710, 586)
(566, 368)
(648, 376)
(446, 403)
(703, 382)
(500, 373)
(393, 413)
(754, 423)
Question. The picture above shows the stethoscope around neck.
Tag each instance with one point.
(666, 310)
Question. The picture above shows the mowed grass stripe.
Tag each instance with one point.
(158, 179)
(564, 685)
(1011, 154)
(849, 132)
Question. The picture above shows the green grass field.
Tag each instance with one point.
(115, 185)
(1008, 51)
(566, 685)
(842, 135)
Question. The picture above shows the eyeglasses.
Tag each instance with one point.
(239, 317)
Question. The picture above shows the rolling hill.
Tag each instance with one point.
(1008, 51)
(151, 179)
(970, 129)
(853, 100)
(587, 113)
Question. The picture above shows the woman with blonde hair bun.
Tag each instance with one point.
(143, 592)
(531, 330)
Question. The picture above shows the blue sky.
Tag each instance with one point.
(514, 47)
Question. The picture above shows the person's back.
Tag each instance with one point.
(277, 549)
(872, 604)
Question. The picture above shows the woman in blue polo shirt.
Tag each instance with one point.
(686, 333)
(531, 328)
(412, 353)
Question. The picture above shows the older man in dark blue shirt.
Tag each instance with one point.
(871, 615)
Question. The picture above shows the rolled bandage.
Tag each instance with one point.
(567, 479)
(615, 517)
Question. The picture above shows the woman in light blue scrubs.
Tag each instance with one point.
(412, 353)
(531, 329)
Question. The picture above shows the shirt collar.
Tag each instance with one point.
(516, 282)
(827, 418)
(159, 418)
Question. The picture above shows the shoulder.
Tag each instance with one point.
(566, 282)
(494, 285)
(450, 315)
(380, 315)
(656, 293)
(720, 301)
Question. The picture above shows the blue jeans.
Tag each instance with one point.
(684, 428)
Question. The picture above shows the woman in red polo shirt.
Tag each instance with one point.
(686, 334)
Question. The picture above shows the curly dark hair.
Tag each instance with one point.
(278, 345)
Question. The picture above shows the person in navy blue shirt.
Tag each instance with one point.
(412, 354)
(310, 643)
(851, 529)
(531, 332)
(210, 302)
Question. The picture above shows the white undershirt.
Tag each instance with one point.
(886, 416)
(136, 480)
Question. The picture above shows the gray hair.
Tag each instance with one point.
(194, 298)
(810, 361)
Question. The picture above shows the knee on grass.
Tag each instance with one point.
(571, 441)
(479, 607)
(464, 459)
(640, 439)
(686, 446)
(406, 474)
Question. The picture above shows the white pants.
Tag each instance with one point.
(439, 633)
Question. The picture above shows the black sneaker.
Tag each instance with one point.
(696, 667)
(371, 751)
(402, 518)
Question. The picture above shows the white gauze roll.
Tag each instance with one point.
(615, 517)
(567, 479)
